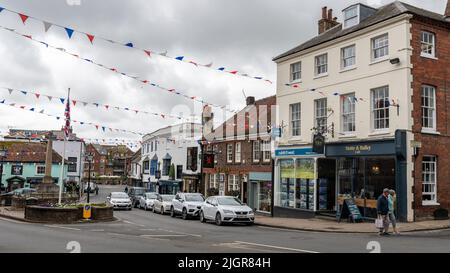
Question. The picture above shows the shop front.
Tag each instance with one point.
(364, 169)
(170, 187)
(191, 182)
(260, 191)
(295, 193)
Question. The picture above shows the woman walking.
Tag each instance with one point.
(392, 198)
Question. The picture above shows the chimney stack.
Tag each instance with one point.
(250, 101)
(447, 11)
(327, 21)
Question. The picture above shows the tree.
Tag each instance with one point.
(172, 172)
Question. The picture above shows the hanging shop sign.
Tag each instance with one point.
(319, 144)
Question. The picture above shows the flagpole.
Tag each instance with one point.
(61, 176)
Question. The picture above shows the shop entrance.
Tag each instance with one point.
(326, 186)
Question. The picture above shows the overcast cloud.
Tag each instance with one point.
(237, 34)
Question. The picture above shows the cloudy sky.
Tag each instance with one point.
(240, 35)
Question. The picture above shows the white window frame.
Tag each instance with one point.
(321, 113)
(380, 94)
(426, 92)
(296, 116)
(296, 75)
(37, 169)
(237, 155)
(380, 44)
(213, 181)
(346, 19)
(233, 183)
(256, 151)
(344, 58)
(348, 115)
(267, 151)
(230, 153)
(427, 42)
(321, 61)
(427, 174)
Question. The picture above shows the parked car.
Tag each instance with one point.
(226, 209)
(135, 194)
(92, 185)
(146, 201)
(163, 203)
(120, 200)
(187, 205)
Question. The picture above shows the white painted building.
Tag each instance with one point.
(346, 82)
(176, 145)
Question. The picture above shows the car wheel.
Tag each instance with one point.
(219, 219)
(185, 214)
(162, 211)
(172, 212)
(202, 217)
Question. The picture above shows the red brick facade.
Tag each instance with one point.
(436, 73)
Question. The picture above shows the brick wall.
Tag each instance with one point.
(435, 73)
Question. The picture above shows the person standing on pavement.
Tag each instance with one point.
(126, 189)
(392, 199)
(96, 189)
(383, 211)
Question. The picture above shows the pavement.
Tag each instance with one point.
(139, 231)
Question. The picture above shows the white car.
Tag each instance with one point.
(187, 205)
(163, 204)
(146, 201)
(226, 209)
(120, 200)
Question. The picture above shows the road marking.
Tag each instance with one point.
(98, 230)
(288, 230)
(277, 247)
(14, 221)
(148, 229)
(240, 246)
(131, 223)
(188, 234)
(68, 228)
(163, 235)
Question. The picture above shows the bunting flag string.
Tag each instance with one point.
(84, 103)
(115, 70)
(181, 58)
(82, 123)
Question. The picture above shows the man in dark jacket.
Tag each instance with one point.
(383, 211)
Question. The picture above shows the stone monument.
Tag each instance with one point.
(48, 186)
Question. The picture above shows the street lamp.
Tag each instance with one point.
(2, 156)
(89, 158)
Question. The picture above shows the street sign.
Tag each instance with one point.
(276, 132)
(87, 212)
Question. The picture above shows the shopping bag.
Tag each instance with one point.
(379, 223)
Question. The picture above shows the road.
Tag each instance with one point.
(138, 231)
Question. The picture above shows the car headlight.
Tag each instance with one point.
(228, 211)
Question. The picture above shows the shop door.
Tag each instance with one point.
(326, 187)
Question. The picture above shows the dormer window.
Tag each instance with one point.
(351, 16)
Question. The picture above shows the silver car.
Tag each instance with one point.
(226, 209)
(120, 200)
(146, 201)
(163, 204)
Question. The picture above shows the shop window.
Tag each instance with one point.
(429, 167)
(213, 181)
(264, 196)
(40, 170)
(380, 108)
(233, 183)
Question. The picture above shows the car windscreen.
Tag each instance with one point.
(167, 198)
(139, 191)
(119, 195)
(151, 195)
(229, 201)
(194, 198)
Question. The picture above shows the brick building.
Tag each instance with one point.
(242, 150)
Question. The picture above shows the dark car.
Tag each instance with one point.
(135, 194)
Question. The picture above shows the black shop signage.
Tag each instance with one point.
(319, 144)
(350, 210)
(361, 149)
(208, 161)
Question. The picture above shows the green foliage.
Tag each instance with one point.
(172, 172)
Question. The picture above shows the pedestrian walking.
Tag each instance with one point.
(383, 212)
(96, 190)
(392, 198)
(126, 189)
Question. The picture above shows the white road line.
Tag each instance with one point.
(163, 235)
(240, 246)
(277, 247)
(14, 221)
(131, 223)
(97, 230)
(148, 229)
(68, 228)
(188, 234)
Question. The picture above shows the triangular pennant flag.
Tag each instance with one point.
(37, 95)
(47, 26)
(208, 65)
(103, 128)
(90, 37)
(50, 98)
(85, 103)
(96, 126)
(58, 118)
(148, 52)
(23, 17)
(234, 72)
(180, 58)
(74, 102)
(46, 45)
(3, 101)
(96, 104)
(12, 104)
(136, 111)
(1, 9)
(24, 92)
(41, 112)
(23, 107)
(10, 91)
(129, 45)
(69, 32)
(221, 68)
(164, 53)
(62, 100)
(107, 107)
(32, 109)
(194, 63)
(28, 36)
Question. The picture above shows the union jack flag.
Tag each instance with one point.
(67, 115)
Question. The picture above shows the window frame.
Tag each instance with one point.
(237, 152)
(318, 65)
(256, 153)
(344, 58)
(434, 200)
(229, 153)
(433, 109)
(296, 124)
(424, 43)
(294, 72)
(356, 7)
(37, 169)
(348, 114)
(375, 49)
(317, 118)
(386, 108)
(266, 150)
